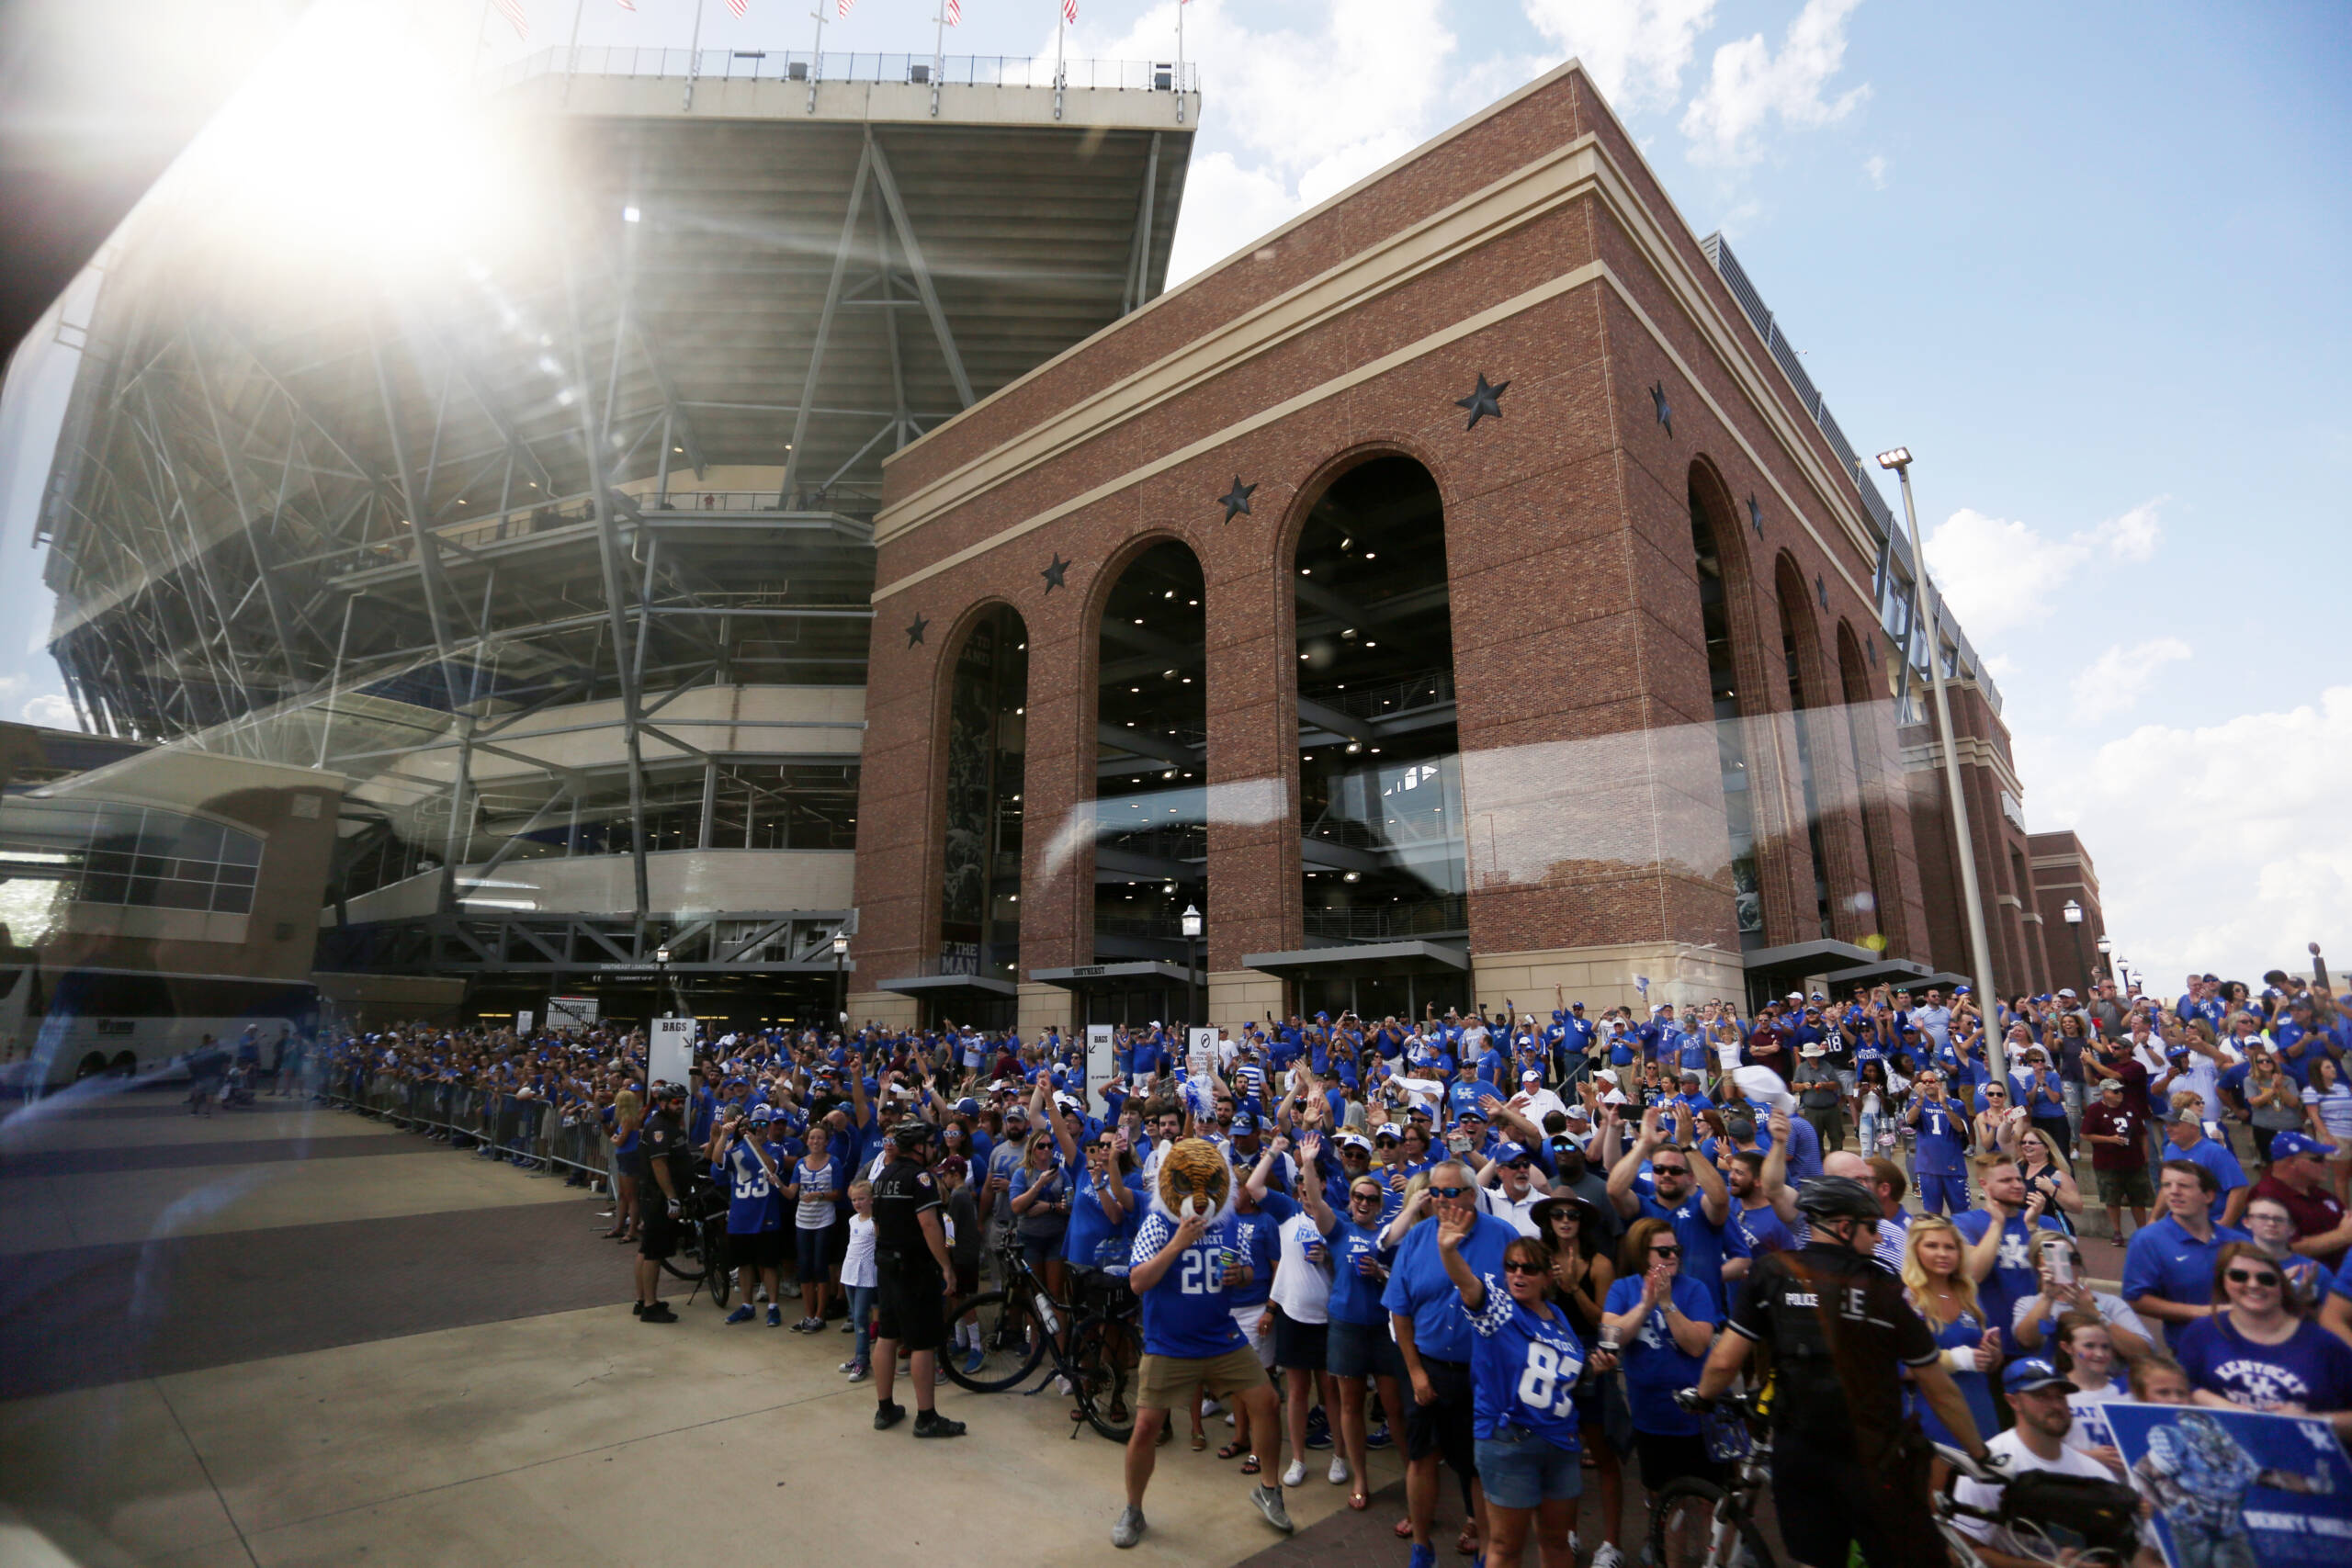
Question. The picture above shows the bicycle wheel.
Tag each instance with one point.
(717, 1261)
(690, 1259)
(1012, 1343)
(1695, 1524)
(1104, 1356)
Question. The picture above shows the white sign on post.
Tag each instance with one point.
(572, 1012)
(671, 1053)
(523, 1021)
(1200, 1054)
(1102, 1064)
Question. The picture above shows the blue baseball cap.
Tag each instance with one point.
(1244, 1123)
(2031, 1373)
(968, 1106)
(2289, 1144)
(1506, 1152)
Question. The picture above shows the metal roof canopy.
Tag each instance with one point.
(1090, 976)
(1871, 974)
(1356, 954)
(950, 984)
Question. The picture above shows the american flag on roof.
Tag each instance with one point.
(626, 5)
(954, 12)
(1070, 10)
(516, 17)
(739, 6)
(841, 8)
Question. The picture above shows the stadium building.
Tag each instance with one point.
(552, 532)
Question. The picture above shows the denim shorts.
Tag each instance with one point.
(1520, 1470)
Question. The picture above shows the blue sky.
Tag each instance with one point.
(2086, 261)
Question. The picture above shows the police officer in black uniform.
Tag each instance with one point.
(662, 1154)
(911, 1261)
(1838, 1328)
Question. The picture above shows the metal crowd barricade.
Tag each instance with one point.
(532, 1132)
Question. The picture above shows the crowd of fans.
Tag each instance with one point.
(1420, 1217)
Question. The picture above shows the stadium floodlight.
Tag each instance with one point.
(630, 215)
(1899, 458)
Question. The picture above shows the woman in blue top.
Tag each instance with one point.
(1525, 1364)
(1660, 1321)
(1360, 1352)
(1942, 1292)
(1107, 1200)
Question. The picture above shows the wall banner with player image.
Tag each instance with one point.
(2234, 1488)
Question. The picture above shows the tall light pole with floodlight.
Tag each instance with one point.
(1980, 955)
(841, 998)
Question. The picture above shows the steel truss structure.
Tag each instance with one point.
(556, 547)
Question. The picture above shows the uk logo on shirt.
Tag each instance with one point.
(2266, 1385)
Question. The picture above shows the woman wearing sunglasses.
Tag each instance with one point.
(1660, 1320)
(1359, 1350)
(1525, 1365)
(2258, 1350)
(1581, 1275)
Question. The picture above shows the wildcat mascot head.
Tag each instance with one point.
(1194, 1168)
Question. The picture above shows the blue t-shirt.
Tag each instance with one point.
(1355, 1295)
(1419, 1288)
(1257, 1240)
(2215, 1156)
(2313, 1368)
(1654, 1364)
(1187, 1313)
(2165, 1261)
(1523, 1370)
(1763, 1230)
(1704, 1245)
(1090, 1227)
(753, 1204)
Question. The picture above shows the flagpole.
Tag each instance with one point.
(1180, 60)
(1061, 26)
(571, 50)
(816, 56)
(480, 27)
(938, 54)
(694, 57)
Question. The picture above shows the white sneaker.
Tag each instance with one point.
(1296, 1473)
(1061, 1386)
(1341, 1474)
(1210, 1407)
(1228, 1417)
(1607, 1556)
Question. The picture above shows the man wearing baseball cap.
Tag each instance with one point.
(2298, 1180)
(2037, 1392)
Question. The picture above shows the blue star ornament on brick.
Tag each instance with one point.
(1665, 409)
(916, 628)
(1053, 572)
(1235, 501)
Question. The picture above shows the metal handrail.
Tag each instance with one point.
(799, 65)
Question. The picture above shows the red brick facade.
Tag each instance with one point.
(1530, 245)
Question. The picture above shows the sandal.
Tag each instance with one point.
(1466, 1543)
(1200, 1441)
(1229, 1449)
(1405, 1529)
(1361, 1500)
(1249, 1465)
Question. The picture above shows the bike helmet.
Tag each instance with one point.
(1837, 1198)
(668, 1090)
(913, 1133)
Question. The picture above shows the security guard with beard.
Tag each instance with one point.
(911, 1265)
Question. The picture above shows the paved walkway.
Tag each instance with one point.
(254, 1341)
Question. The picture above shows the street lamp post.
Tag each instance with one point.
(1979, 950)
(841, 998)
(660, 1006)
(2106, 945)
(2074, 913)
(1191, 920)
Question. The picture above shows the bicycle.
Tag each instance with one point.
(1022, 1324)
(1723, 1518)
(704, 1259)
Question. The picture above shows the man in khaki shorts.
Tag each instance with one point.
(1190, 1342)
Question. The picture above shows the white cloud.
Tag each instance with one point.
(2238, 827)
(2116, 681)
(1877, 168)
(1751, 84)
(1635, 50)
(1290, 126)
(51, 710)
(2000, 575)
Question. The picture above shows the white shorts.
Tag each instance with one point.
(1260, 1345)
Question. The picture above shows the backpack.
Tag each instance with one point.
(2074, 1511)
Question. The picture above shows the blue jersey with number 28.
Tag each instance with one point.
(1523, 1370)
(1186, 1314)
